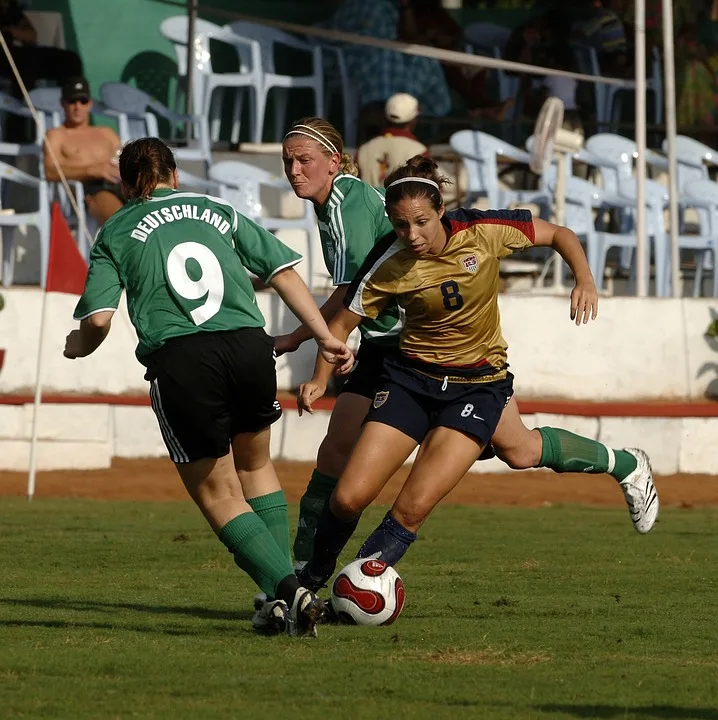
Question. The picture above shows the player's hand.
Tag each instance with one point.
(73, 346)
(285, 344)
(308, 393)
(338, 354)
(584, 302)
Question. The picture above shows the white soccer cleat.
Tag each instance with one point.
(306, 611)
(640, 492)
(271, 617)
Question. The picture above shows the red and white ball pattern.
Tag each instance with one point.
(368, 592)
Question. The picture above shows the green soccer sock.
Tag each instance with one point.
(565, 452)
(256, 551)
(318, 491)
(271, 509)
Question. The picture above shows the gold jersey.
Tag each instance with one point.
(451, 299)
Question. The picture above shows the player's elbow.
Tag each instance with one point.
(99, 321)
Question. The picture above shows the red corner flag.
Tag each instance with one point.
(66, 268)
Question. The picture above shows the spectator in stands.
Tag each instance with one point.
(85, 152)
(33, 61)
(604, 30)
(427, 22)
(379, 73)
(395, 144)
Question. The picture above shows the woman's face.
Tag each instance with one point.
(308, 168)
(418, 225)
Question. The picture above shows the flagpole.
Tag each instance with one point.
(37, 401)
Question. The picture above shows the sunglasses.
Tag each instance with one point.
(81, 100)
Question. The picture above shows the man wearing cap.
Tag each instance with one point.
(85, 152)
(396, 143)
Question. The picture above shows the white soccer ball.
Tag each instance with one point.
(368, 592)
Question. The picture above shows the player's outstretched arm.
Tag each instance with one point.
(584, 296)
(93, 330)
(340, 326)
(296, 295)
(292, 341)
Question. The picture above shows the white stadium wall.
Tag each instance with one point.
(638, 351)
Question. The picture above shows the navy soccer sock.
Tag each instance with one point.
(332, 535)
(389, 542)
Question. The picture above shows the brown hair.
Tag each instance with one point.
(325, 129)
(144, 163)
(419, 166)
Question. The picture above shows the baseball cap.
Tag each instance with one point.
(401, 108)
(76, 88)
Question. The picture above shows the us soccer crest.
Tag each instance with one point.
(471, 263)
(380, 398)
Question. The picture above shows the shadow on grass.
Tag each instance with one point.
(615, 711)
(70, 625)
(105, 607)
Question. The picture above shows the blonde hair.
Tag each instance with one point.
(324, 129)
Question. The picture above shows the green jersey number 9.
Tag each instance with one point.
(210, 282)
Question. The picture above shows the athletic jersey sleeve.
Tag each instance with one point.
(376, 284)
(103, 287)
(512, 231)
(360, 220)
(261, 252)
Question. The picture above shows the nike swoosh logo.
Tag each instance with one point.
(478, 417)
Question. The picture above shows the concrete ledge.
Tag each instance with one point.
(674, 445)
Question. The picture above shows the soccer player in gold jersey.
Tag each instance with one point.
(448, 388)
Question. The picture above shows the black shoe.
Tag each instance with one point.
(310, 581)
(306, 611)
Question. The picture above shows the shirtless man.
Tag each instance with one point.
(86, 153)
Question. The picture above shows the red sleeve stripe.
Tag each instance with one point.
(526, 227)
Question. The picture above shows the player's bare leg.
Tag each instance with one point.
(345, 426)
(379, 453)
(214, 485)
(447, 455)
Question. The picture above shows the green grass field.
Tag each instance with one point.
(134, 610)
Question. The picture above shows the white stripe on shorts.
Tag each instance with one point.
(177, 454)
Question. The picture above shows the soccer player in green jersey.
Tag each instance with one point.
(181, 258)
(351, 218)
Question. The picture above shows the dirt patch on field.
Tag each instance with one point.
(158, 480)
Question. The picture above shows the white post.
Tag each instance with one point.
(642, 249)
(559, 217)
(669, 91)
(37, 402)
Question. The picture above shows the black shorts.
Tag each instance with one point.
(92, 187)
(415, 403)
(368, 369)
(208, 387)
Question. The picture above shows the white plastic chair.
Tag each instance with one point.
(584, 207)
(137, 117)
(269, 39)
(606, 97)
(480, 152)
(337, 80)
(208, 86)
(703, 195)
(241, 183)
(39, 218)
(485, 38)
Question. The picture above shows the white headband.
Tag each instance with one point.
(314, 135)
(414, 179)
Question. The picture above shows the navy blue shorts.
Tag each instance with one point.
(368, 368)
(415, 403)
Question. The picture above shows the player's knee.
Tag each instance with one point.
(412, 514)
(519, 457)
(347, 503)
